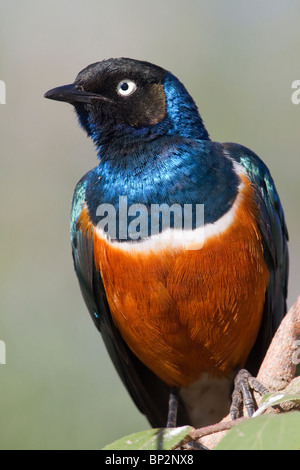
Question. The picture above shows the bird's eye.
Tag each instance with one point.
(126, 87)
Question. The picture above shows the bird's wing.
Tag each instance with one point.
(148, 392)
(275, 237)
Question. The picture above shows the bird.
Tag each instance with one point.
(179, 244)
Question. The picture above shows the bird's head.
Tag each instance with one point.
(121, 100)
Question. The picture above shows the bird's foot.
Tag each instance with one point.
(244, 385)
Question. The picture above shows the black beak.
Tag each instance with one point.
(72, 94)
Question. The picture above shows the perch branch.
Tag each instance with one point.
(279, 365)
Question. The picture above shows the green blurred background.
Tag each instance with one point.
(238, 58)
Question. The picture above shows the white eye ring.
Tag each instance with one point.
(126, 87)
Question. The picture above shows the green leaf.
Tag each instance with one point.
(152, 439)
(267, 432)
(274, 399)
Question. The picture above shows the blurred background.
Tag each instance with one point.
(237, 58)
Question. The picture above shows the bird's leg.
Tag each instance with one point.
(173, 407)
(242, 394)
(172, 419)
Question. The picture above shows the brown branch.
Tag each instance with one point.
(279, 365)
(196, 434)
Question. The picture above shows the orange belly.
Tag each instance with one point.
(183, 312)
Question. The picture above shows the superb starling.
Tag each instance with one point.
(179, 244)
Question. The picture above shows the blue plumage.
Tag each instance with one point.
(172, 171)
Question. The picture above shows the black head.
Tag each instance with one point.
(127, 97)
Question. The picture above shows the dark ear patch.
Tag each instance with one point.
(150, 108)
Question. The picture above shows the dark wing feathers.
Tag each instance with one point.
(275, 237)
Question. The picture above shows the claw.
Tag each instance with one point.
(244, 383)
